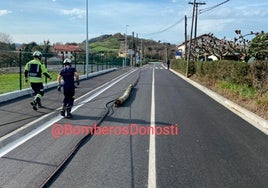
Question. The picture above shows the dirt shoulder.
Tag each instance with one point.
(256, 104)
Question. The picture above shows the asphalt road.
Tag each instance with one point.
(211, 147)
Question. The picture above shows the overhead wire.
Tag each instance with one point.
(179, 21)
(213, 7)
(166, 29)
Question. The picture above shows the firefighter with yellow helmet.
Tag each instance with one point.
(34, 71)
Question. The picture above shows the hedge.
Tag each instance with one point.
(253, 75)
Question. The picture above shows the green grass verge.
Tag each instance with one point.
(11, 81)
(241, 90)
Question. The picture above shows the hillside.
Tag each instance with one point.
(116, 44)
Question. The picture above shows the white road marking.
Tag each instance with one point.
(47, 115)
(152, 168)
(13, 145)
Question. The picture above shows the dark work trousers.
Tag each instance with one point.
(38, 89)
(68, 100)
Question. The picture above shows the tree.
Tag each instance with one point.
(5, 38)
(258, 46)
(28, 50)
(7, 58)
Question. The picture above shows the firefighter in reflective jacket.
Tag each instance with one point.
(67, 74)
(34, 70)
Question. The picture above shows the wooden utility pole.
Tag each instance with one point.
(196, 13)
(190, 41)
(185, 37)
(194, 21)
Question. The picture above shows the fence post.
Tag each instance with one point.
(85, 65)
(20, 63)
(62, 59)
(75, 60)
(46, 65)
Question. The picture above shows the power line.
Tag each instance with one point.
(210, 8)
(179, 21)
(169, 27)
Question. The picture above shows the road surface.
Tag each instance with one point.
(197, 142)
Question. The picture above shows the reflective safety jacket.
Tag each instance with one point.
(34, 70)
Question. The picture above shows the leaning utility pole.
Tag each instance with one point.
(196, 13)
(185, 36)
(194, 17)
(190, 41)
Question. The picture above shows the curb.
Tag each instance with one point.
(255, 120)
(20, 93)
(25, 129)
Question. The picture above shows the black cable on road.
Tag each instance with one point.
(53, 176)
(74, 150)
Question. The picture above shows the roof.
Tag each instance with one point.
(200, 37)
(68, 48)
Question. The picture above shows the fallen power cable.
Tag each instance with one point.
(124, 97)
(126, 94)
(108, 106)
(53, 175)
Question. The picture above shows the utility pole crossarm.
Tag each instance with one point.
(197, 3)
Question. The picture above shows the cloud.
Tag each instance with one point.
(74, 13)
(4, 12)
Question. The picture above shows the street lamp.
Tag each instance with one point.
(87, 38)
(126, 49)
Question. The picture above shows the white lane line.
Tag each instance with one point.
(47, 115)
(13, 145)
(151, 168)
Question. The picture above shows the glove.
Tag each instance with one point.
(77, 82)
(59, 88)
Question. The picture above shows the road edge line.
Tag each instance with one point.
(255, 120)
(152, 164)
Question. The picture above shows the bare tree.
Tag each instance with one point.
(6, 38)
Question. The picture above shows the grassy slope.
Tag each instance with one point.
(108, 45)
(10, 81)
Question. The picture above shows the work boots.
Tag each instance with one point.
(34, 104)
(68, 110)
(62, 112)
(38, 101)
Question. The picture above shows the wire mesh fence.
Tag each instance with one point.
(12, 65)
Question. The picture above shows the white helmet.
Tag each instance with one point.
(67, 61)
(37, 54)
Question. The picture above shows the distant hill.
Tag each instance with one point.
(96, 39)
(116, 44)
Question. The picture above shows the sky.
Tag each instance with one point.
(160, 20)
